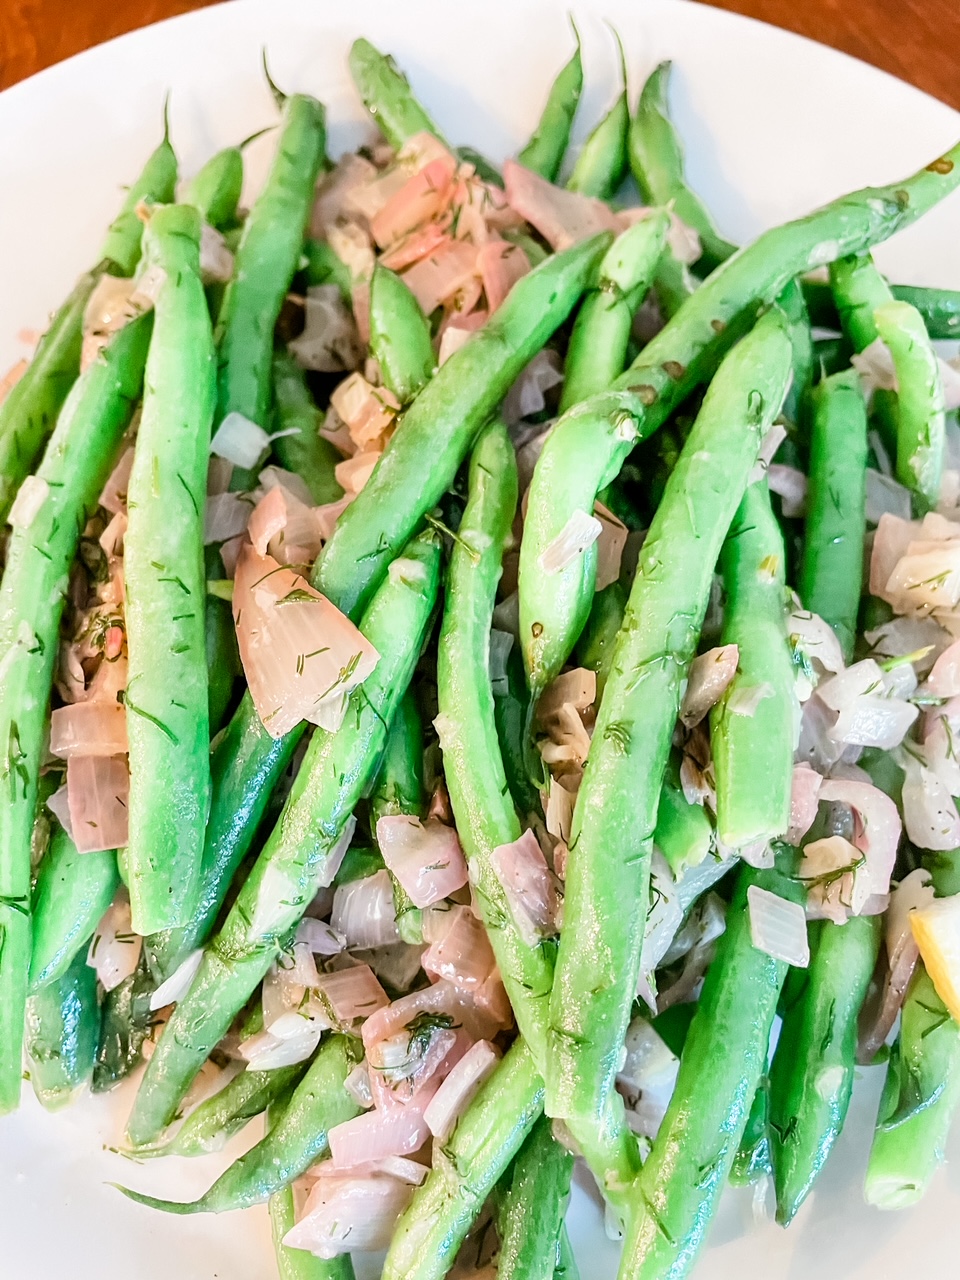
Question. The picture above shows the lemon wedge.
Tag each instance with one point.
(936, 930)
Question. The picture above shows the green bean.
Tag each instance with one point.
(921, 427)
(794, 308)
(597, 350)
(545, 151)
(656, 158)
(465, 1171)
(62, 1021)
(325, 266)
(920, 1097)
(214, 191)
(859, 289)
(125, 1024)
(567, 1268)
(437, 431)
(753, 748)
(616, 807)
(723, 1060)
(588, 446)
(831, 576)
(399, 789)
(385, 91)
(684, 833)
(673, 284)
(266, 260)
(72, 892)
(307, 453)
(223, 661)
(511, 713)
(28, 414)
(210, 1125)
(532, 1201)
(472, 763)
(297, 855)
(299, 1139)
(752, 1161)
(940, 308)
(298, 1264)
(167, 689)
(830, 356)
(399, 336)
(601, 165)
(75, 468)
(598, 638)
(486, 171)
(813, 1067)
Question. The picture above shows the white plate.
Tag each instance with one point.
(774, 124)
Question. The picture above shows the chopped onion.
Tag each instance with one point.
(562, 217)
(743, 700)
(216, 260)
(421, 197)
(353, 473)
(297, 649)
(816, 639)
(459, 1089)
(336, 191)
(88, 729)
(610, 545)
(877, 833)
(929, 813)
(576, 689)
(357, 1085)
(321, 938)
(441, 997)
(59, 806)
(836, 890)
(399, 1131)
(462, 955)
(114, 495)
(769, 445)
(791, 485)
(363, 911)
(451, 340)
(368, 411)
(707, 680)
(528, 885)
(927, 577)
(501, 265)
(426, 858)
(436, 278)
(559, 808)
(355, 1213)
(778, 927)
(875, 367)
(178, 984)
(500, 647)
(804, 795)
(885, 496)
(97, 792)
(114, 948)
(352, 994)
(240, 441)
(31, 496)
(526, 397)
(409, 1171)
(329, 342)
(944, 679)
(874, 721)
(920, 639)
(225, 516)
(914, 891)
(289, 1039)
(648, 1076)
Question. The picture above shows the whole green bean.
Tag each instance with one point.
(399, 789)
(545, 151)
(791, 303)
(267, 258)
(588, 446)
(386, 94)
(656, 158)
(75, 468)
(299, 1139)
(214, 191)
(437, 431)
(684, 832)
(752, 1161)
(812, 1074)
(296, 857)
(125, 1024)
(487, 1137)
(62, 1021)
(921, 426)
(858, 290)
(723, 1059)
(920, 1097)
(597, 350)
(223, 661)
(399, 336)
(306, 452)
(72, 892)
(753, 747)
(511, 712)
(531, 1203)
(831, 576)
(28, 414)
(167, 689)
(616, 807)
(940, 308)
(599, 637)
(209, 1126)
(601, 165)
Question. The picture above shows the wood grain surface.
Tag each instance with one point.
(918, 40)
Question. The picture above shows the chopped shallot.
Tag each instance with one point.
(562, 217)
(944, 679)
(441, 997)
(399, 1131)
(816, 639)
(438, 277)
(791, 485)
(885, 496)
(88, 729)
(368, 411)
(804, 795)
(178, 984)
(225, 516)
(778, 927)
(526, 397)
(299, 652)
(240, 441)
(610, 545)
(352, 994)
(363, 911)
(459, 1088)
(329, 342)
(929, 813)
(462, 954)
(707, 680)
(115, 949)
(114, 495)
(425, 857)
(356, 1213)
(97, 791)
(291, 1038)
(353, 473)
(529, 886)
(743, 700)
(647, 1077)
(501, 265)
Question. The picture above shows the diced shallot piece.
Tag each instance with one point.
(647, 1077)
(610, 545)
(529, 887)
(355, 1213)
(804, 794)
(114, 495)
(944, 679)
(877, 833)
(929, 813)
(291, 1038)
(114, 948)
(398, 1131)
(442, 997)
(297, 649)
(462, 955)
(425, 857)
(363, 911)
(88, 729)
(329, 342)
(420, 198)
(438, 276)
(368, 411)
(501, 265)
(178, 984)
(459, 1089)
(709, 675)
(835, 890)
(97, 792)
(791, 485)
(778, 927)
(562, 217)
(352, 994)
(576, 689)
(240, 441)
(353, 473)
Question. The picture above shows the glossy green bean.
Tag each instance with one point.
(599, 637)
(921, 424)
(601, 166)
(531, 1203)
(304, 451)
(214, 190)
(386, 94)
(399, 336)
(125, 1024)
(72, 892)
(548, 145)
(298, 1264)
(399, 789)
(62, 1021)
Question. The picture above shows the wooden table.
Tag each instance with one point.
(918, 40)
